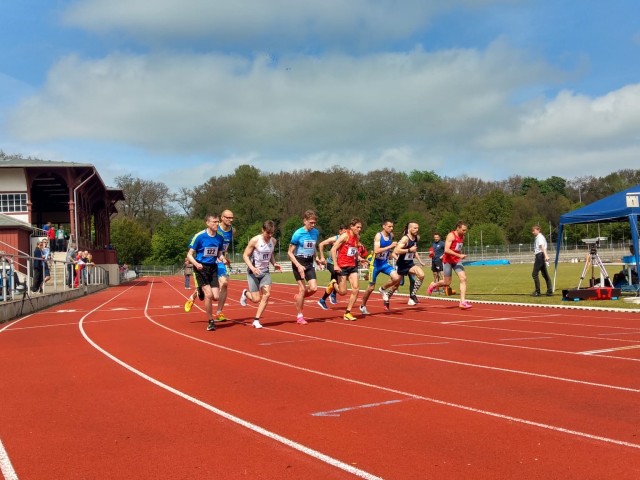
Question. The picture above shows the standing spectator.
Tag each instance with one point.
(46, 226)
(60, 246)
(437, 247)
(51, 236)
(38, 268)
(71, 263)
(188, 270)
(540, 262)
(46, 255)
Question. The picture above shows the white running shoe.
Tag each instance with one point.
(411, 302)
(363, 310)
(256, 324)
(385, 296)
(243, 299)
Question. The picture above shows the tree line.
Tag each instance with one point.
(154, 225)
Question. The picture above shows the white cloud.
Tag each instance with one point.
(223, 104)
(280, 24)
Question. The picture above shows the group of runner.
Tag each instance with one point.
(208, 255)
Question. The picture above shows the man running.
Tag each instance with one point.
(205, 249)
(303, 248)
(452, 261)
(258, 255)
(406, 251)
(346, 256)
(330, 293)
(383, 247)
(227, 231)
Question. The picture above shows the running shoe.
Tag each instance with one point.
(243, 298)
(387, 307)
(385, 295)
(348, 316)
(449, 291)
(333, 298)
(411, 302)
(363, 310)
(465, 305)
(300, 320)
(331, 287)
(188, 304)
(431, 288)
(323, 304)
(221, 318)
(256, 324)
(211, 326)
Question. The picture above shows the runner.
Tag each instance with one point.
(303, 248)
(258, 255)
(346, 256)
(383, 246)
(330, 293)
(407, 250)
(205, 249)
(452, 260)
(224, 265)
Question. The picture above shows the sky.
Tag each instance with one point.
(178, 91)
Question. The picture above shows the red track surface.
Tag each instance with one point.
(123, 384)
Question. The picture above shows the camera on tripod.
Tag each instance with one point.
(593, 260)
(593, 244)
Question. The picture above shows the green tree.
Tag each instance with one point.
(170, 241)
(486, 234)
(131, 240)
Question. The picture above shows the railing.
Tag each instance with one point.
(51, 275)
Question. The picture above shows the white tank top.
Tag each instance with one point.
(262, 254)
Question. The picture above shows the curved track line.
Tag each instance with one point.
(255, 428)
(401, 392)
(5, 465)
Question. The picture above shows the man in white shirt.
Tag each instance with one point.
(540, 262)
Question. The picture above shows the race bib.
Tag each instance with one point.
(266, 256)
(382, 256)
(210, 252)
(409, 256)
(351, 251)
(458, 248)
(309, 245)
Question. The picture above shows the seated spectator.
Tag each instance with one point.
(621, 279)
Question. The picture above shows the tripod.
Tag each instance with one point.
(593, 260)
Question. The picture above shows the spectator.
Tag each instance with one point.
(60, 243)
(71, 262)
(38, 268)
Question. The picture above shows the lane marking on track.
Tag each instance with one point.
(337, 412)
(417, 344)
(618, 333)
(239, 421)
(525, 338)
(500, 319)
(403, 393)
(5, 465)
(64, 311)
(286, 341)
(607, 350)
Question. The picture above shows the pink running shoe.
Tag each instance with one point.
(465, 305)
(432, 287)
(301, 320)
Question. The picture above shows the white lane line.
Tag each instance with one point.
(500, 319)
(412, 395)
(415, 344)
(255, 428)
(286, 341)
(618, 333)
(5, 465)
(525, 338)
(608, 350)
(337, 412)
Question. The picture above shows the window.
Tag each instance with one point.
(13, 202)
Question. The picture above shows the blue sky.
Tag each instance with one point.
(179, 91)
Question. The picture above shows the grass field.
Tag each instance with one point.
(506, 283)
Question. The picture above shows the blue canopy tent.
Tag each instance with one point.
(619, 207)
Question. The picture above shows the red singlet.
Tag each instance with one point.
(348, 251)
(456, 246)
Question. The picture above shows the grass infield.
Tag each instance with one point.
(505, 283)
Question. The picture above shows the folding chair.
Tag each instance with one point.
(22, 287)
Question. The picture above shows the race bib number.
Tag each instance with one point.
(210, 252)
(382, 256)
(351, 251)
(309, 245)
(265, 256)
(409, 256)
(458, 248)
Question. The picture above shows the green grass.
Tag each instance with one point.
(505, 283)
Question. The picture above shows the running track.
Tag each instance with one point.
(124, 384)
